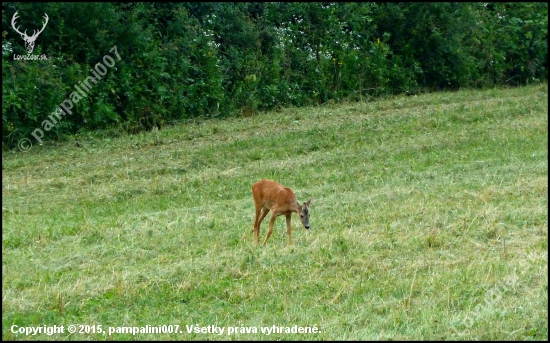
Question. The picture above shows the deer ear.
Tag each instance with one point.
(308, 203)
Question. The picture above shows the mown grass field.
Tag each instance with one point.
(429, 221)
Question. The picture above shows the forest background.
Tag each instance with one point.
(178, 61)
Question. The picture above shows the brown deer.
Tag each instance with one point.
(280, 200)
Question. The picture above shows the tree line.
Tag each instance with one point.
(187, 60)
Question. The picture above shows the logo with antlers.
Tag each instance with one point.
(29, 41)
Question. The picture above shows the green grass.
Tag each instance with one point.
(429, 221)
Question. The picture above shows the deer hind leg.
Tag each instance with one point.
(260, 215)
(271, 222)
(258, 209)
(255, 221)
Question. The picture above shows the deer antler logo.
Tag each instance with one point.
(29, 41)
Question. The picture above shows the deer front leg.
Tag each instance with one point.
(289, 228)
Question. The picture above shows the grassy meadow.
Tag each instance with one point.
(429, 221)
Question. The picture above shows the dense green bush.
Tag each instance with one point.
(183, 60)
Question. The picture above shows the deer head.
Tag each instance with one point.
(29, 41)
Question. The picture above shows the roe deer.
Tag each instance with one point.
(280, 200)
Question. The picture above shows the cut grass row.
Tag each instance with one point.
(423, 208)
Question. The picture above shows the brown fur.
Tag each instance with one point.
(280, 200)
